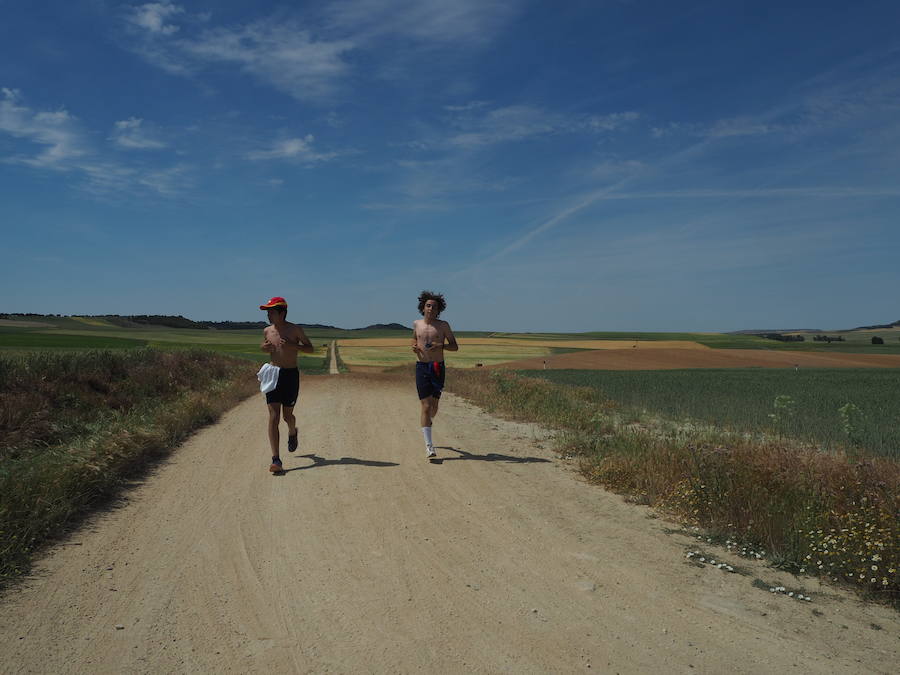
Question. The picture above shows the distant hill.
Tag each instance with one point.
(178, 321)
(884, 326)
(896, 324)
(385, 326)
(760, 331)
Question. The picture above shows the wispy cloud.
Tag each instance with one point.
(427, 21)
(284, 55)
(65, 147)
(281, 53)
(306, 54)
(153, 17)
(296, 149)
(476, 124)
(610, 122)
(719, 129)
(132, 135)
(500, 125)
(57, 133)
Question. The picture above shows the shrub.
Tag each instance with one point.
(73, 425)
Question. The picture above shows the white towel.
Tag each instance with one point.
(268, 377)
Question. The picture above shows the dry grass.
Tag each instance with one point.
(73, 426)
(833, 515)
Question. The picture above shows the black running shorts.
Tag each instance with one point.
(429, 378)
(287, 389)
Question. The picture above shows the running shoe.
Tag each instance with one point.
(292, 443)
(429, 451)
(276, 465)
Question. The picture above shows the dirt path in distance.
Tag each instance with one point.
(364, 557)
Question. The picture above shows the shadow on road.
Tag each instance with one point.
(321, 461)
(490, 457)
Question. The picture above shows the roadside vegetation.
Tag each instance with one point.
(75, 425)
(856, 409)
(832, 514)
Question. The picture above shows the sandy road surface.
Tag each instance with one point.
(363, 557)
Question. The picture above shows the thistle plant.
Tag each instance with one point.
(851, 420)
(785, 409)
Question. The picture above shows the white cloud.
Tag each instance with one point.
(297, 149)
(725, 128)
(740, 127)
(66, 148)
(305, 56)
(511, 123)
(281, 54)
(57, 132)
(153, 16)
(131, 135)
(427, 21)
(611, 122)
(518, 122)
(169, 181)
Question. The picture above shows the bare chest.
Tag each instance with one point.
(429, 333)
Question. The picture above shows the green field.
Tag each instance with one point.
(745, 400)
(69, 334)
(467, 357)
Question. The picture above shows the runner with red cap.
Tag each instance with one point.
(280, 378)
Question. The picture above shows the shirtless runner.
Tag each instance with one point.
(282, 340)
(431, 337)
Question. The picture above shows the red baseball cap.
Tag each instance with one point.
(274, 302)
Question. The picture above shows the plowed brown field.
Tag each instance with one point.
(670, 359)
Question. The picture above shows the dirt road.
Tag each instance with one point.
(364, 557)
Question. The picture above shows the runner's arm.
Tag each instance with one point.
(303, 343)
(451, 345)
(415, 343)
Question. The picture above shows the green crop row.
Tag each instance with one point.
(832, 408)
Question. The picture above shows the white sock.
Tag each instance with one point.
(426, 431)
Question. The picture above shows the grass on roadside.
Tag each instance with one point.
(73, 426)
(834, 515)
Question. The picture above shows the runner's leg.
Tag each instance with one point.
(288, 414)
(425, 413)
(274, 437)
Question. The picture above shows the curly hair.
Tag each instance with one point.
(425, 296)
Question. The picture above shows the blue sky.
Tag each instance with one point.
(568, 166)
